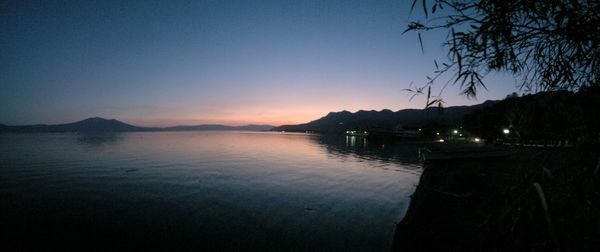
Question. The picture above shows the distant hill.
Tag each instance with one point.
(94, 124)
(336, 122)
(333, 122)
(97, 124)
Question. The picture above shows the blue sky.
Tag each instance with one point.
(233, 62)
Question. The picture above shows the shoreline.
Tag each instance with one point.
(489, 204)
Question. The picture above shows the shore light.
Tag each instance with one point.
(505, 131)
(477, 140)
(455, 131)
(437, 133)
(441, 140)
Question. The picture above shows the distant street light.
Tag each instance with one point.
(506, 131)
(455, 131)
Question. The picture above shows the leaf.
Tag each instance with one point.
(547, 172)
(544, 204)
(431, 103)
(425, 8)
(427, 103)
(421, 43)
(459, 61)
(480, 81)
(413, 96)
(428, 92)
(436, 65)
(412, 7)
(413, 26)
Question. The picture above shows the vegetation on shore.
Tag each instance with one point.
(544, 197)
(547, 197)
(495, 204)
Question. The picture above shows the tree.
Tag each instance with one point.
(548, 45)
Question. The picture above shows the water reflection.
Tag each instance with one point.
(201, 190)
(343, 146)
(98, 139)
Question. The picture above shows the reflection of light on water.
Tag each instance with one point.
(350, 141)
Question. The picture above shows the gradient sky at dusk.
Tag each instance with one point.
(231, 62)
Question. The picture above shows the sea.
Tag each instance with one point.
(202, 191)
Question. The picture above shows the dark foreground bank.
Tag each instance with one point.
(530, 201)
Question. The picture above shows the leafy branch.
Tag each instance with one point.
(548, 45)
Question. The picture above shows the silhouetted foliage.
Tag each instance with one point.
(552, 47)
(549, 45)
(544, 118)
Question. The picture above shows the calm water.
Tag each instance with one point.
(207, 190)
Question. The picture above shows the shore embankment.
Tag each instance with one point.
(520, 202)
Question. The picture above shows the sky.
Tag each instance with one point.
(170, 63)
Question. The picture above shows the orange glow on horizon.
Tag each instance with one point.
(274, 116)
(266, 112)
(275, 119)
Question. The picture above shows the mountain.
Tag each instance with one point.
(94, 124)
(97, 124)
(336, 122)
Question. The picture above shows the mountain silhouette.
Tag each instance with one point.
(337, 122)
(98, 124)
(334, 122)
(94, 124)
